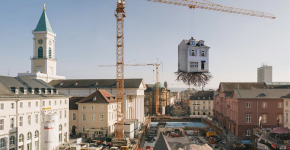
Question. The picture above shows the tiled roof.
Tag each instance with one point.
(203, 95)
(100, 96)
(230, 86)
(262, 93)
(43, 23)
(73, 101)
(94, 83)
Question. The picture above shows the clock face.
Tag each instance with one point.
(50, 42)
(40, 41)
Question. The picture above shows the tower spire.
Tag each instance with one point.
(43, 6)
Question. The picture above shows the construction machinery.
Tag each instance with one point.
(120, 15)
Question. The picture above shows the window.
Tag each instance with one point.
(84, 129)
(84, 117)
(74, 117)
(286, 103)
(29, 119)
(84, 107)
(21, 121)
(264, 118)
(102, 107)
(11, 122)
(203, 101)
(40, 52)
(248, 105)
(65, 114)
(49, 103)
(1, 124)
(29, 104)
(49, 52)
(2, 106)
(60, 114)
(286, 117)
(64, 101)
(60, 102)
(202, 53)
(21, 104)
(93, 107)
(264, 104)
(193, 64)
(43, 103)
(248, 118)
(29, 136)
(202, 65)
(12, 105)
(36, 118)
(248, 132)
(2, 143)
(101, 117)
(203, 107)
(36, 104)
(55, 102)
(280, 105)
(36, 134)
(93, 117)
(12, 140)
(21, 138)
(193, 52)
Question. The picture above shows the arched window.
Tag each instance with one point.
(40, 52)
(49, 52)
(2, 143)
(21, 137)
(12, 140)
(36, 134)
(29, 135)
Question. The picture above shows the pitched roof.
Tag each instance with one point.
(230, 86)
(43, 23)
(261, 93)
(73, 101)
(160, 144)
(100, 96)
(94, 83)
(203, 95)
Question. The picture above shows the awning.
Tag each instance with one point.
(203, 61)
(246, 141)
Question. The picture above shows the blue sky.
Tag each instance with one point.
(86, 35)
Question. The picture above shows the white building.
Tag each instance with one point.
(43, 61)
(134, 92)
(193, 56)
(25, 105)
(264, 73)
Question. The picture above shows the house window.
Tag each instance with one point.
(101, 117)
(248, 118)
(21, 138)
(193, 52)
(43, 103)
(64, 101)
(84, 107)
(36, 118)
(2, 106)
(55, 102)
(65, 114)
(93, 107)
(60, 114)
(12, 105)
(84, 117)
(102, 107)
(21, 104)
(93, 117)
(40, 52)
(264, 104)
(286, 117)
(49, 103)
(193, 64)
(1, 124)
(29, 119)
(84, 129)
(203, 107)
(2, 143)
(29, 104)
(264, 118)
(202, 65)
(248, 132)
(60, 102)
(49, 52)
(74, 117)
(248, 105)
(21, 121)
(280, 105)
(12, 140)
(36, 104)
(11, 122)
(202, 53)
(286, 103)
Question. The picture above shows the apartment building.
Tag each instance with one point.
(286, 110)
(201, 103)
(238, 106)
(25, 105)
(94, 113)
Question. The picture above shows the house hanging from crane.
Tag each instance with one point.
(193, 56)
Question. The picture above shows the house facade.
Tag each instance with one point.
(201, 103)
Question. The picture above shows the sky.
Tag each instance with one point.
(86, 38)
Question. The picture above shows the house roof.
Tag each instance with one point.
(94, 83)
(43, 23)
(73, 101)
(261, 93)
(100, 96)
(160, 143)
(230, 86)
(203, 95)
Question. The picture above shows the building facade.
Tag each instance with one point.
(238, 107)
(264, 74)
(134, 92)
(193, 56)
(94, 113)
(26, 105)
(43, 61)
(201, 103)
(286, 111)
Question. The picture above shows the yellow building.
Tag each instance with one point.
(202, 103)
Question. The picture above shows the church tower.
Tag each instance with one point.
(43, 61)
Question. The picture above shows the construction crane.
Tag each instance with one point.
(120, 15)
(157, 79)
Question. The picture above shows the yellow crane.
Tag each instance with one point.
(120, 15)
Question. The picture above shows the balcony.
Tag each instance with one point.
(54, 59)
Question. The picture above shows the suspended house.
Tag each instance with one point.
(193, 56)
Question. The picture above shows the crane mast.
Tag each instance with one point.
(120, 15)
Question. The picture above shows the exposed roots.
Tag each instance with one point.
(193, 78)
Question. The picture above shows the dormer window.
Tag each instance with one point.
(60, 84)
(193, 52)
(95, 98)
(75, 84)
(192, 43)
(202, 53)
(109, 98)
